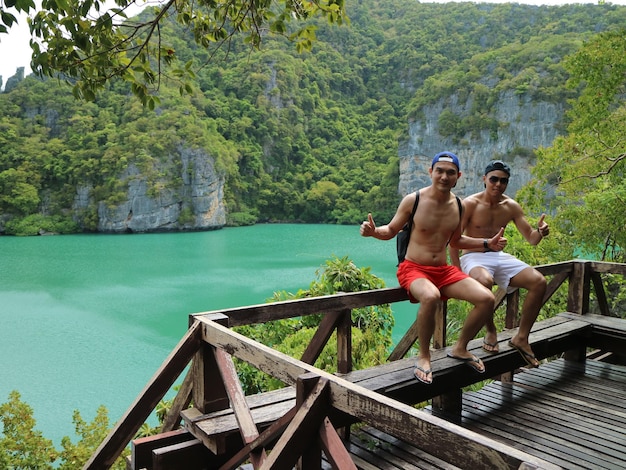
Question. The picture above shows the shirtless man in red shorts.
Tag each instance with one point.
(425, 272)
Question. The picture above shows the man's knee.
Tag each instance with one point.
(485, 299)
(482, 276)
(538, 281)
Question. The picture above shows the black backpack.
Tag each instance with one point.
(403, 236)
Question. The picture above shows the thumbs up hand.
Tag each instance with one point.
(542, 226)
(498, 242)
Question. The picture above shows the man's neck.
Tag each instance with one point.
(436, 194)
(491, 200)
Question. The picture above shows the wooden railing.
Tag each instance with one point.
(211, 382)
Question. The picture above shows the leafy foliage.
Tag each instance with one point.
(78, 40)
(91, 435)
(587, 166)
(371, 332)
(21, 446)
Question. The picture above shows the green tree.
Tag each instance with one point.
(586, 168)
(21, 446)
(371, 332)
(75, 456)
(7, 18)
(83, 41)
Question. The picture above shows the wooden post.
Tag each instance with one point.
(578, 301)
(511, 320)
(209, 393)
(579, 287)
(344, 342)
(312, 455)
(449, 404)
(439, 336)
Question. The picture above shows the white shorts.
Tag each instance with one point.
(502, 266)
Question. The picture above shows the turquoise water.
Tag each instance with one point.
(86, 320)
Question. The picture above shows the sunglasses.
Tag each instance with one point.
(495, 179)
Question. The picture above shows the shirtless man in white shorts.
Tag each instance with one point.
(485, 213)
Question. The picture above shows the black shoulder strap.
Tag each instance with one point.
(417, 199)
(458, 201)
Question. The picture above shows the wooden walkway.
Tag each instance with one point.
(569, 414)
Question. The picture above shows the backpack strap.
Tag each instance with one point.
(460, 204)
(417, 199)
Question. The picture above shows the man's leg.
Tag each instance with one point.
(535, 283)
(490, 342)
(428, 296)
(482, 298)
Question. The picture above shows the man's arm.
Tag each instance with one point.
(387, 232)
(495, 243)
(468, 209)
(532, 236)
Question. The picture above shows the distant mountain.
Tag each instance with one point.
(320, 137)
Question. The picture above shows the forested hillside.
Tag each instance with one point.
(309, 137)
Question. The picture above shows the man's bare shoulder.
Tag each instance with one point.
(472, 200)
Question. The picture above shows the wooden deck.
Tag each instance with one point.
(570, 414)
(566, 413)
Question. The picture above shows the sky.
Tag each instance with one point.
(15, 50)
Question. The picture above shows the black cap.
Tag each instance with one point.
(498, 165)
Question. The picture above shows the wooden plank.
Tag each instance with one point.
(237, 398)
(320, 338)
(141, 448)
(181, 401)
(409, 454)
(556, 268)
(333, 447)
(556, 412)
(396, 380)
(312, 305)
(602, 322)
(213, 431)
(581, 426)
(296, 437)
(264, 438)
(193, 453)
(600, 293)
(608, 267)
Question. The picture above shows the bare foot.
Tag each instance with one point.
(422, 371)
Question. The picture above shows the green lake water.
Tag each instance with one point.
(86, 320)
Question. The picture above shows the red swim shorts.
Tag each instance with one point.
(440, 276)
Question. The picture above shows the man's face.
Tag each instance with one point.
(444, 175)
(496, 181)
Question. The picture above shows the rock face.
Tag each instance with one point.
(157, 206)
(524, 125)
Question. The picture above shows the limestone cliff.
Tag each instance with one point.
(194, 203)
(523, 126)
